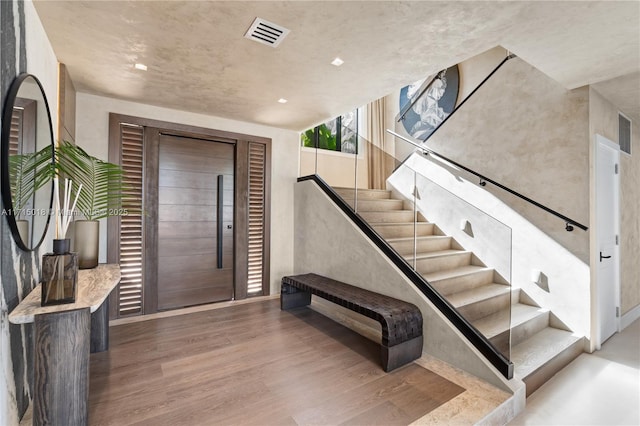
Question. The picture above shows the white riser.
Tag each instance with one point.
(363, 193)
(518, 324)
(498, 299)
(451, 260)
(524, 321)
(402, 230)
(396, 216)
(376, 205)
(467, 278)
(423, 245)
(524, 330)
(540, 357)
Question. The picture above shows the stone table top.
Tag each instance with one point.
(94, 286)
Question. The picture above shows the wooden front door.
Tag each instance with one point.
(195, 221)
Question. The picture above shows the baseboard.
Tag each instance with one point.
(628, 318)
(190, 310)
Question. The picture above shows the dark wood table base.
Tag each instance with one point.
(61, 368)
(100, 328)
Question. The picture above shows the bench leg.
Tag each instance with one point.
(399, 355)
(292, 297)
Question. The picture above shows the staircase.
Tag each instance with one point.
(540, 345)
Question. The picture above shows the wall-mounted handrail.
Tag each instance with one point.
(476, 338)
(569, 223)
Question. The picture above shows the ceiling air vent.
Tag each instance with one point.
(266, 32)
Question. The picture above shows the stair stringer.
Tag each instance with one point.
(327, 242)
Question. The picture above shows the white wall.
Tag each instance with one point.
(603, 120)
(92, 134)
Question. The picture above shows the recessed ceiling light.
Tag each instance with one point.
(282, 100)
(141, 67)
(337, 62)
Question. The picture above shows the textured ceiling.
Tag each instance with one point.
(199, 61)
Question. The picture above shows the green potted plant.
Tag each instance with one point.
(101, 196)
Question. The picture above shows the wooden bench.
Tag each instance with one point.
(401, 321)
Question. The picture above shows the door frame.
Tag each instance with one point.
(153, 128)
(602, 142)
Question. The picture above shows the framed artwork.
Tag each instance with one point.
(424, 108)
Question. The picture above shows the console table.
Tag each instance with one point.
(64, 337)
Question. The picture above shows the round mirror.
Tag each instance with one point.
(27, 159)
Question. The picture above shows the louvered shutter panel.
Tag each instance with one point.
(131, 225)
(15, 132)
(257, 153)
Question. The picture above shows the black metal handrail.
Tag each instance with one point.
(480, 342)
(473, 92)
(569, 223)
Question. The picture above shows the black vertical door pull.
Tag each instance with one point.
(219, 218)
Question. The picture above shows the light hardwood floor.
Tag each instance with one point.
(254, 364)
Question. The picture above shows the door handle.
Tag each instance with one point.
(219, 218)
(604, 257)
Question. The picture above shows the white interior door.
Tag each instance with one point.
(607, 229)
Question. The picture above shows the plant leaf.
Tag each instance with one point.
(28, 173)
(103, 188)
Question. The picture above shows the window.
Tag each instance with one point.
(339, 134)
(624, 133)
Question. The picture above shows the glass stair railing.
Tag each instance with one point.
(396, 206)
(459, 256)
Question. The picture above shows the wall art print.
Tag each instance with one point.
(431, 105)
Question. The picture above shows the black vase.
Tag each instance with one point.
(59, 277)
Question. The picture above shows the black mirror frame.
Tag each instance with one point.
(4, 163)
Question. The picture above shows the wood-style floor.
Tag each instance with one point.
(254, 364)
